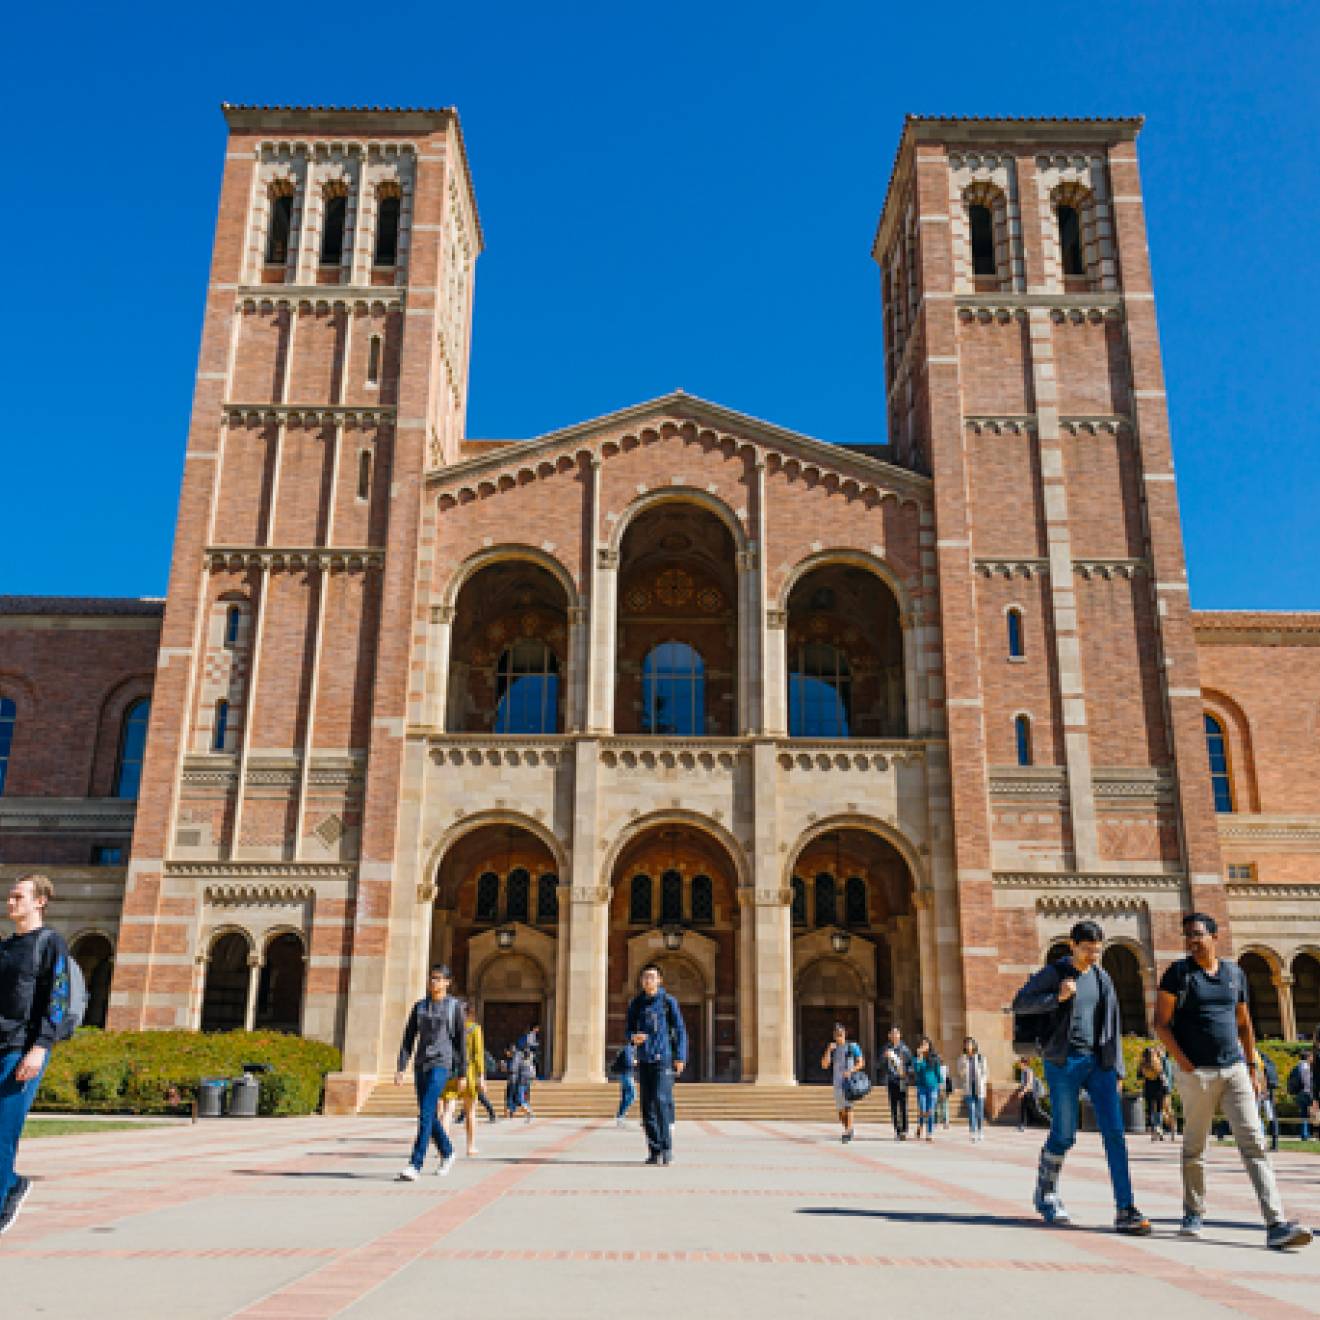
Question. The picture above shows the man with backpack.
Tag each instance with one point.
(1201, 1016)
(1072, 1011)
(35, 1011)
(1301, 1086)
(896, 1069)
(437, 1035)
(655, 1028)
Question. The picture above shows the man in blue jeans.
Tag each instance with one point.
(1082, 1047)
(655, 1027)
(436, 1031)
(34, 996)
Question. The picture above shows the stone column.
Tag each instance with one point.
(588, 930)
(1283, 984)
(708, 1012)
(576, 696)
(437, 681)
(563, 937)
(774, 675)
(254, 982)
(746, 983)
(603, 607)
(774, 987)
(750, 628)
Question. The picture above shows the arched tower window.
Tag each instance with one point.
(220, 726)
(703, 900)
(518, 896)
(639, 901)
(674, 691)
(547, 899)
(280, 228)
(799, 892)
(856, 909)
(132, 748)
(671, 897)
(819, 692)
(1022, 735)
(982, 225)
(827, 904)
(332, 229)
(1070, 240)
(364, 474)
(387, 230)
(527, 689)
(233, 619)
(488, 897)
(1016, 646)
(373, 360)
(1217, 747)
(8, 716)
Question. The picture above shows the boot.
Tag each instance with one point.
(1049, 1204)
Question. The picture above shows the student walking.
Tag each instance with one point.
(942, 1098)
(972, 1075)
(1028, 1096)
(896, 1065)
(656, 1030)
(1264, 1067)
(625, 1064)
(1153, 1089)
(34, 998)
(926, 1071)
(435, 1032)
(1201, 1017)
(1082, 1048)
(522, 1075)
(1301, 1086)
(843, 1058)
(471, 1084)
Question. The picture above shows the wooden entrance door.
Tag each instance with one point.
(503, 1022)
(694, 1019)
(815, 1031)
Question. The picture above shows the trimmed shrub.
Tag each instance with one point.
(158, 1072)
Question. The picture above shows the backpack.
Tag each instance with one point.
(73, 1015)
(1295, 1080)
(1031, 1031)
(1271, 1073)
(619, 1066)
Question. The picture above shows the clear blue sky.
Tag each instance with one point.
(678, 195)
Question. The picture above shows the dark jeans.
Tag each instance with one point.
(15, 1100)
(1067, 1081)
(898, 1107)
(657, 1088)
(429, 1085)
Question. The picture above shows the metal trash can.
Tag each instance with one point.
(244, 1093)
(211, 1097)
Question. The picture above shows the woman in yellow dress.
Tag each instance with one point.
(467, 1087)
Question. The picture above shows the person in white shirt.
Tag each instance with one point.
(971, 1081)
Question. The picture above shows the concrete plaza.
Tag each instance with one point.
(301, 1217)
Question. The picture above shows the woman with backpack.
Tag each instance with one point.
(843, 1058)
(927, 1068)
(972, 1076)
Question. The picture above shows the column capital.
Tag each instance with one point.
(776, 618)
(577, 616)
(590, 893)
(607, 558)
(781, 897)
(747, 561)
(442, 614)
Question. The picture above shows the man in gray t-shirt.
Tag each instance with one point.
(1086, 1005)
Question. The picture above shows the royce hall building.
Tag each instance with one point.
(835, 732)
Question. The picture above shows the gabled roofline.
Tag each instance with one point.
(684, 406)
(1027, 130)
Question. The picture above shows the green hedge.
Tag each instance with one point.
(157, 1072)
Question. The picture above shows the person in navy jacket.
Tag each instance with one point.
(656, 1030)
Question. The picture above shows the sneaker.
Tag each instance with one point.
(1278, 1237)
(18, 1193)
(1050, 1207)
(409, 1173)
(530, 1119)
(1191, 1226)
(846, 1138)
(1131, 1221)
(667, 1158)
(445, 1165)
(653, 1157)
(619, 1122)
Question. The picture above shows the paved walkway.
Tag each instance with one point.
(300, 1217)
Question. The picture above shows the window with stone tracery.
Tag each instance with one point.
(388, 211)
(279, 226)
(332, 227)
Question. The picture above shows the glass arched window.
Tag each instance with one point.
(1070, 241)
(233, 620)
(671, 897)
(220, 726)
(982, 226)
(527, 689)
(281, 226)
(387, 231)
(488, 896)
(1217, 747)
(332, 230)
(674, 691)
(132, 748)
(819, 692)
(547, 899)
(827, 905)
(1022, 734)
(8, 715)
(518, 896)
(856, 909)
(799, 892)
(1016, 646)
(703, 900)
(639, 901)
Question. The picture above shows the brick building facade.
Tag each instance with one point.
(838, 732)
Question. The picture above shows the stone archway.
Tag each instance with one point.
(225, 996)
(1124, 968)
(1262, 993)
(830, 987)
(95, 955)
(1306, 994)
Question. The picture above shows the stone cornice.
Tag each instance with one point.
(1015, 567)
(257, 297)
(1268, 893)
(1109, 568)
(228, 895)
(1066, 880)
(237, 872)
(1238, 828)
(46, 815)
(1023, 423)
(1075, 307)
(850, 754)
(1255, 628)
(234, 557)
(1028, 567)
(308, 414)
(1027, 781)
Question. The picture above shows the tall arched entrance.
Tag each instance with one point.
(674, 902)
(95, 956)
(1306, 994)
(1262, 995)
(856, 950)
(1124, 970)
(496, 924)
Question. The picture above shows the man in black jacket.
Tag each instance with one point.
(436, 1030)
(896, 1069)
(659, 1036)
(1083, 1051)
(34, 996)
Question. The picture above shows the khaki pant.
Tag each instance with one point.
(1202, 1092)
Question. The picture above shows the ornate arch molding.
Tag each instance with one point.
(862, 559)
(1091, 905)
(734, 850)
(812, 950)
(508, 553)
(891, 834)
(93, 932)
(700, 499)
(217, 933)
(531, 945)
(1274, 961)
(439, 850)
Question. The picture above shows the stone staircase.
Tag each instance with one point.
(711, 1101)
